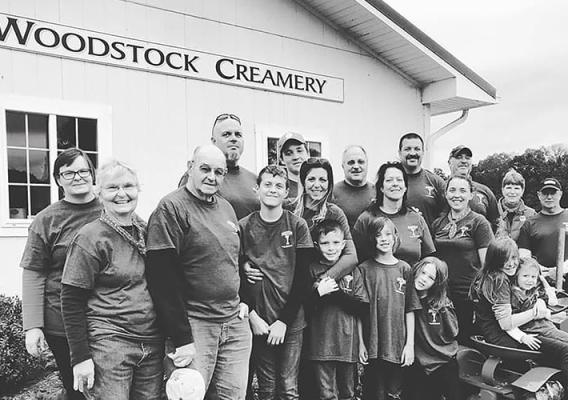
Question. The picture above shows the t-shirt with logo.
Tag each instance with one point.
(271, 247)
(436, 331)
(390, 292)
(539, 234)
(426, 194)
(205, 237)
(460, 250)
(484, 202)
(415, 239)
(353, 200)
(238, 189)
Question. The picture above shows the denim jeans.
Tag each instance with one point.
(127, 369)
(60, 349)
(336, 379)
(277, 366)
(382, 380)
(554, 345)
(222, 355)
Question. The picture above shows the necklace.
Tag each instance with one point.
(139, 243)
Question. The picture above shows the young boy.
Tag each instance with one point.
(278, 243)
(332, 332)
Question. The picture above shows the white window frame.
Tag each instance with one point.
(10, 227)
(263, 132)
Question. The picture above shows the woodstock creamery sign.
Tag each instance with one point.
(34, 36)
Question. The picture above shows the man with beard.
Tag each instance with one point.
(354, 194)
(483, 201)
(426, 190)
(238, 186)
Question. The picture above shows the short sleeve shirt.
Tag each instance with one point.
(461, 251)
(49, 237)
(426, 193)
(415, 239)
(353, 200)
(238, 189)
(271, 247)
(205, 237)
(390, 291)
(539, 234)
(484, 202)
(101, 260)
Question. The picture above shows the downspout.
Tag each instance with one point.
(431, 138)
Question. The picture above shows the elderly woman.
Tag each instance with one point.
(415, 239)
(461, 237)
(44, 256)
(108, 313)
(512, 210)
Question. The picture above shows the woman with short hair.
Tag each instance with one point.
(109, 316)
(49, 236)
(512, 210)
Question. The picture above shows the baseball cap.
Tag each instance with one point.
(185, 384)
(550, 183)
(456, 151)
(287, 137)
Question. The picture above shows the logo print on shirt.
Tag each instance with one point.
(522, 218)
(463, 231)
(286, 235)
(413, 231)
(233, 227)
(433, 317)
(400, 285)
(480, 196)
(429, 191)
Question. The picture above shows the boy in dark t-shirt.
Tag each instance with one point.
(278, 243)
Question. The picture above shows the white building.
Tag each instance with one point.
(143, 81)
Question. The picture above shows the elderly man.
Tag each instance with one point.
(238, 186)
(354, 194)
(193, 275)
(292, 150)
(426, 190)
(483, 201)
(539, 233)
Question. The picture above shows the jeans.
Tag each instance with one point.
(277, 367)
(382, 380)
(444, 380)
(222, 356)
(126, 368)
(336, 379)
(554, 345)
(60, 349)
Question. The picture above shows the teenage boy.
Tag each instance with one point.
(333, 341)
(279, 244)
(292, 151)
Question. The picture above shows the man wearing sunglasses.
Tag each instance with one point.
(539, 234)
(239, 183)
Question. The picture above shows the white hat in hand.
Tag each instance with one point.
(185, 384)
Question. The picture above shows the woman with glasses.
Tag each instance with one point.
(44, 256)
(109, 316)
(390, 202)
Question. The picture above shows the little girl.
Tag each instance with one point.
(436, 370)
(387, 344)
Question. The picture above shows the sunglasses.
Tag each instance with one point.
(222, 117)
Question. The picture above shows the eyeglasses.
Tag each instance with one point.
(70, 175)
(206, 169)
(114, 189)
(222, 117)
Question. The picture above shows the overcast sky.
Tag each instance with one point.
(521, 48)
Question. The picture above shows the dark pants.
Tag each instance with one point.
(464, 312)
(60, 349)
(443, 381)
(382, 381)
(336, 379)
(554, 345)
(277, 366)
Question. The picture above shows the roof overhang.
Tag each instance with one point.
(447, 85)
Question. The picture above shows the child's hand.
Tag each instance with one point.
(257, 324)
(326, 286)
(407, 358)
(531, 341)
(277, 332)
(551, 294)
(363, 355)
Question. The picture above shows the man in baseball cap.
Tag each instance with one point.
(292, 151)
(539, 234)
(484, 201)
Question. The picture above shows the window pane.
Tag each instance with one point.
(37, 131)
(39, 167)
(16, 128)
(94, 159)
(18, 202)
(39, 197)
(315, 149)
(17, 166)
(65, 132)
(87, 134)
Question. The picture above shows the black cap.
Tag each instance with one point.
(550, 183)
